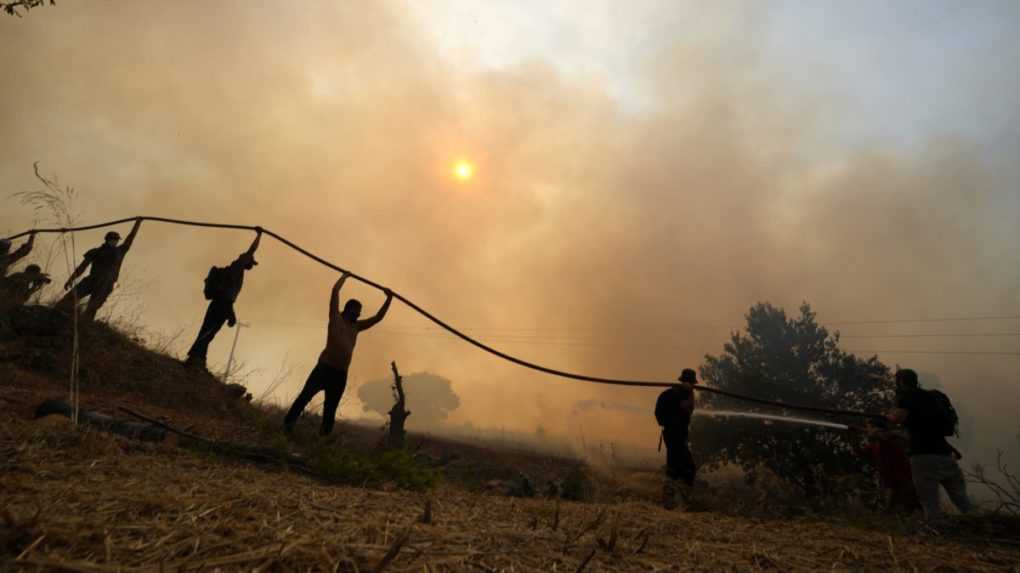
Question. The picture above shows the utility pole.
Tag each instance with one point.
(233, 347)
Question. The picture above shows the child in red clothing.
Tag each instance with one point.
(888, 453)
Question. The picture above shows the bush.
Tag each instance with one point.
(576, 486)
(373, 469)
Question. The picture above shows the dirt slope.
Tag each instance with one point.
(90, 501)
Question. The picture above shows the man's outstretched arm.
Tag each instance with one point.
(370, 322)
(24, 249)
(898, 415)
(131, 236)
(687, 406)
(85, 262)
(255, 244)
(334, 297)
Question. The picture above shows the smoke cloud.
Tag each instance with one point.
(593, 237)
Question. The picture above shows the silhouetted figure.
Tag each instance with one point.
(929, 418)
(330, 374)
(16, 289)
(105, 261)
(7, 258)
(673, 412)
(222, 285)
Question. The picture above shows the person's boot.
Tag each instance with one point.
(196, 362)
(669, 494)
(691, 500)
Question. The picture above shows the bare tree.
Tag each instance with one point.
(1005, 487)
(398, 413)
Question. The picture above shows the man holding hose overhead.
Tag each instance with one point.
(330, 373)
(222, 286)
(105, 261)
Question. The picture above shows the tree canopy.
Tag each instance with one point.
(797, 361)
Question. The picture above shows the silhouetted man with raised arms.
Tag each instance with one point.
(330, 374)
(222, 285)
(673, 411)
(105, 261)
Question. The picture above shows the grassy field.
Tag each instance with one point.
(78, 499)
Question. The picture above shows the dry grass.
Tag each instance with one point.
(85, 501)
(79, 500)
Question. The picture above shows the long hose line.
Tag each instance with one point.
(458, 333)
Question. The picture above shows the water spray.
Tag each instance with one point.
(771, 418)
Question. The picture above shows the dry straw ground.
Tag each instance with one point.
(83, 500)
(88, 501)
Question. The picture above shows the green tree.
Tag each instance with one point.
(795, 361)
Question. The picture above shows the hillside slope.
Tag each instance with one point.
(86, 500)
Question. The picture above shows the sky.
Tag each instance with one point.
(644, 173)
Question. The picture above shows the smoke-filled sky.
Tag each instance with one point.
(645, 172)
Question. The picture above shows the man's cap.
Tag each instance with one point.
(33, 269)
(906, 376)
(246, 258)
(689, 376)
(112, 235)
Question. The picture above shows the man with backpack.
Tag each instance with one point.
(222, 285)
(673, 411)
(929, 417)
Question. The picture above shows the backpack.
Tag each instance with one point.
(215, 282)
(942, 415)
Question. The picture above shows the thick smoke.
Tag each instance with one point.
(593, 238)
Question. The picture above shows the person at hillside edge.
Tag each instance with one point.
(222, 286)
(330, 373)
(7, 258)
(105, 262)
(17, 289)
(673, 411)
(929, 418)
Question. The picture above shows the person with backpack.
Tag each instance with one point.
(222, 285)
(105, 262)
(330, 372)
(673, 411)
(929, 417)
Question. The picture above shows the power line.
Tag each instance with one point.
(947, 335)
(946, 352)
(921, 320)
(441, 335)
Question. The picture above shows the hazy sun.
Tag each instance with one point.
(463, 170)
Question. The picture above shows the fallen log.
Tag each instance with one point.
(136, 430)
(152, 430)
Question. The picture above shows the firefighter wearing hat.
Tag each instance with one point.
(673, 412)
(222, 286)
